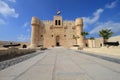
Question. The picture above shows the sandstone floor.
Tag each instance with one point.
(62, 64)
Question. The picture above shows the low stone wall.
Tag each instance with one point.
(14, 42)
(113, 51)
(13, 52)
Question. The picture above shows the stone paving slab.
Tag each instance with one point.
(108, 64)
(105, 57)
(62, 64)
(67, 70)
(43, 70)
(12, 72)
(97, 68)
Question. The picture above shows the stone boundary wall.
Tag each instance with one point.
(8, 42)
(14, 52)
(98, 42)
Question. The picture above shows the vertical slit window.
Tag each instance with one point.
(52, 35)
(41, 35)
(58, 22)
(64, 35)
(55, 22)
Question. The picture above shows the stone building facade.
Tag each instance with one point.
(98, 42)
(56, 32)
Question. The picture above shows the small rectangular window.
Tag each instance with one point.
(41, 35)
(64, 35)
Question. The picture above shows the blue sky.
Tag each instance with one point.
(15, 15)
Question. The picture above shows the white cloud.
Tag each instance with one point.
(26, 24)
(12, 1)
(96, 15)
(114, 26)
(112, 5)
(95, 18)
(23, 37)
(2, 22)
(6, 11)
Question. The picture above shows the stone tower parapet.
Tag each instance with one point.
(68, 23)
(47, 22)
(79, 29)
(35, 23)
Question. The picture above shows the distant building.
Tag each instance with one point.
(98, 42)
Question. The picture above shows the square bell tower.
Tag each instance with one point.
(58, 21)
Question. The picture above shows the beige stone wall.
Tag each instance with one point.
(98, 42)
(79, 29)
(25, 43)
(48, 32)
(65, 35)
(35, 31)
(91, 43)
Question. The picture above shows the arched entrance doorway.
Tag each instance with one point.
(57, 40)
(24, 46)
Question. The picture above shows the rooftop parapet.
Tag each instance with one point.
(47, 21)
(79, 21)
(68, 21)
(35, 21)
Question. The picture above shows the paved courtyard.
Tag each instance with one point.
(62, 64)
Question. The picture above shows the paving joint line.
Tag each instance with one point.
(81, 68)
(28, 68)
(100, 63)
(54, 69)
(101, 57)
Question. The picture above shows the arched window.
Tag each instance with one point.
(64, 35)
(41, 35)
(55, 22)
(86, 45)
(101, 45)
(52, 35)
(59, 22)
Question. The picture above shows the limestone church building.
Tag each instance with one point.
(56, 32)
